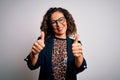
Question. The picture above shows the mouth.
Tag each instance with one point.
(60, 28)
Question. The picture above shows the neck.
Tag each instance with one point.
(61, 36)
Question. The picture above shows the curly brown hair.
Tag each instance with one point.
(46, 23)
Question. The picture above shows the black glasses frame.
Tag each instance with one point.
(60, 20)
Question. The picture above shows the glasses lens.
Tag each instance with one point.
(60, 20)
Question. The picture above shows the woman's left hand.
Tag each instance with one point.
(76, 47)
(77, 52)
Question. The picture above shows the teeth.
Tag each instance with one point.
(60, 28)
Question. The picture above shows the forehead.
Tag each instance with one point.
(56, 15)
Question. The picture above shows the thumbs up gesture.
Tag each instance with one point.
(76, 47)
(38, 45)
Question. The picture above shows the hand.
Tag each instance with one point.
(38, 45)
(76, 47)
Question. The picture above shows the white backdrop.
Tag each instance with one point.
(98, 23)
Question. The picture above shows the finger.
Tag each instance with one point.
(76, 48)
(76, 45)
(34, 49)
(41, 43)
(76, 38)
(77, 52)
(37, 45)
(42, 35)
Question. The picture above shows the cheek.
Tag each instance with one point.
(65, 25)
(54, 29)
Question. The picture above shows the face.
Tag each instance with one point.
(59, 24)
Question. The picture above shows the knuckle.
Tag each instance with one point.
(33, 47)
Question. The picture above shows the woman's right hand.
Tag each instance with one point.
(38, 45)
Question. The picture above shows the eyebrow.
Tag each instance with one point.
(58, 18)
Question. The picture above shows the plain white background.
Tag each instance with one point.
(98, 23)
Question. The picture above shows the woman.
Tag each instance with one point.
(58, 56)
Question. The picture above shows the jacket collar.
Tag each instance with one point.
(50, 39)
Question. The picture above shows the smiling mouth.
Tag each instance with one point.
(60, 28)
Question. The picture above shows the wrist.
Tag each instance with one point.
(33, 55)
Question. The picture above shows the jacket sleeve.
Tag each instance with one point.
(29, 64)
(38, 63)
(82, 67)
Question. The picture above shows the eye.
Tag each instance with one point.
(61, 19)
(53, 22)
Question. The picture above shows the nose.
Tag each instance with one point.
(58, 23)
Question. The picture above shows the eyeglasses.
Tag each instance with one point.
(60, 20)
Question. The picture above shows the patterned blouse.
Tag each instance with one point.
(59, 59)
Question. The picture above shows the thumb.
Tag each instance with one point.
(42, 35)
(76, 38)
